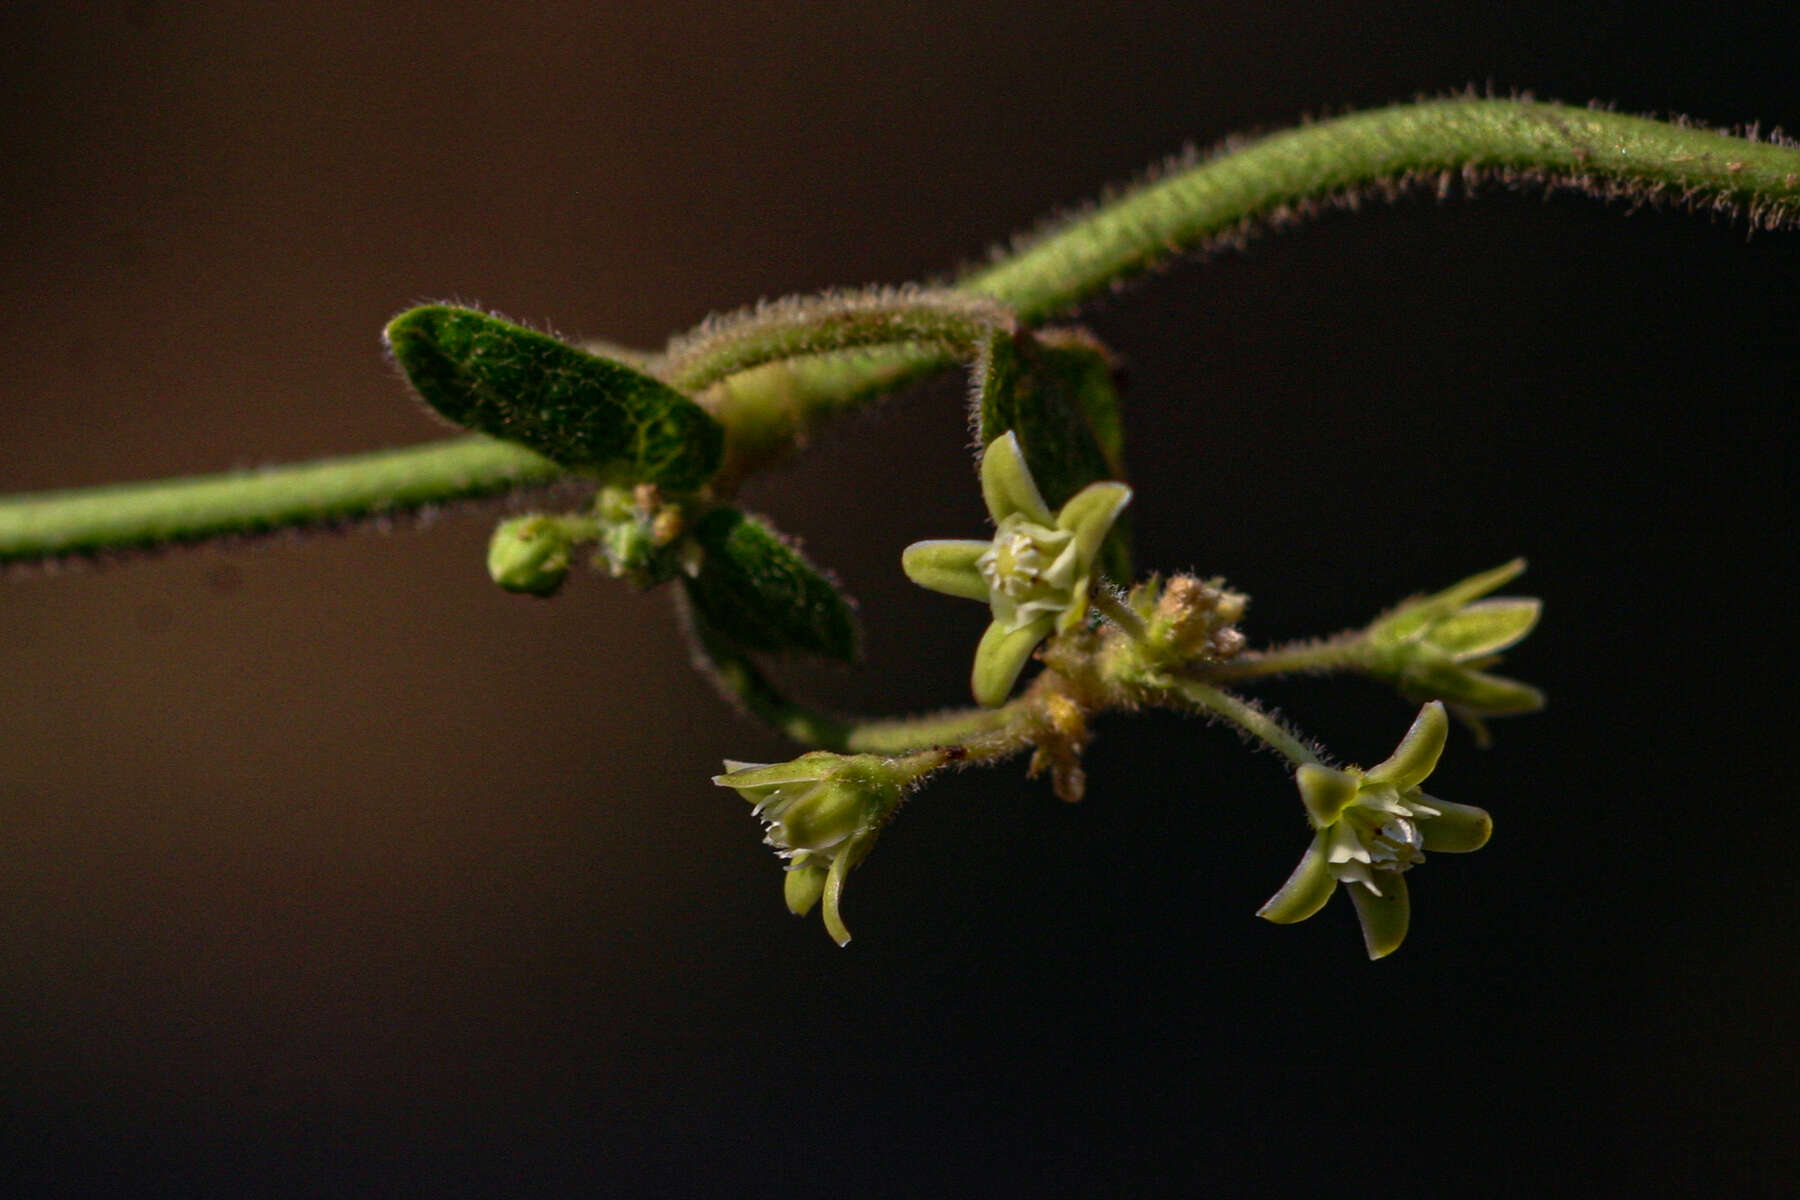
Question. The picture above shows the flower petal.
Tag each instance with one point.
(821, 817)
(1325, 792)
(1457, 829)
(1477, 692)
(1415, 615)
(1417, 754)
(947, 566)
(803, 885)
(1385, 917)
(808, 768)
(833, 893)
(1090, 514)
(1486, 626)
(1006, 483)
(1001, 656)
(1305, 891)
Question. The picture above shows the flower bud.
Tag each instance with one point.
(530, 554)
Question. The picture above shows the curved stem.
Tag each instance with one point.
(1248, 717)
(1289, 174)
(1187, 208)
(953, 323)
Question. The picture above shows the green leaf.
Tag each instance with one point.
(576, 409)
(758, 591)
(1056, 391)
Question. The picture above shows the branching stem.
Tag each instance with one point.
(1190, 207)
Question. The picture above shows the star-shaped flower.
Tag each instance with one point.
(1371, 827)
(1036, 572)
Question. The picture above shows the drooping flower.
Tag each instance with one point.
(1370, 828)
(821, 812)
(1035, 573)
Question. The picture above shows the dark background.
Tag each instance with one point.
(325, 866)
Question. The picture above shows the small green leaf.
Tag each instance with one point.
(1056, 391)
(522, 386)
(758, 591)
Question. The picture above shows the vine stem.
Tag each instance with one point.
(1189, 206)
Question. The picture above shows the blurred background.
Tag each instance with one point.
(328, 867)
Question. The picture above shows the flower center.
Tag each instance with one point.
(1023, 557)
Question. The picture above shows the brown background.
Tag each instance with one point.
(324, 866)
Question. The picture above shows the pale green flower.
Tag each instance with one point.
(1437, 647)
(822, 813)
(1372, 826)
(1036, 572)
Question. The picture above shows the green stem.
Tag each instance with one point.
(1514, 142)
(1188, 208)
(1248, 717)
(1115, 610)
(952, 323)
(1344, 653)
(46, 525)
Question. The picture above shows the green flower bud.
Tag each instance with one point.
(530, 554)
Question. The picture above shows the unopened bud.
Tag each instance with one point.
(529, 554)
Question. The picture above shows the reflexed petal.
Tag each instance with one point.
(1325, 792)
(1457, 829)
(833, 893)
(1001, 656)
(1006, 483)
(1485, 627)
(1305, 891)
(1418, 751)
(947, 566)
(1384, 918)
(1090, 514)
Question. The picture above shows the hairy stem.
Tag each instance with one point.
(1347, 652)
(1248, 717)
(47, 525)
(953, 323)
(1187, 208)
